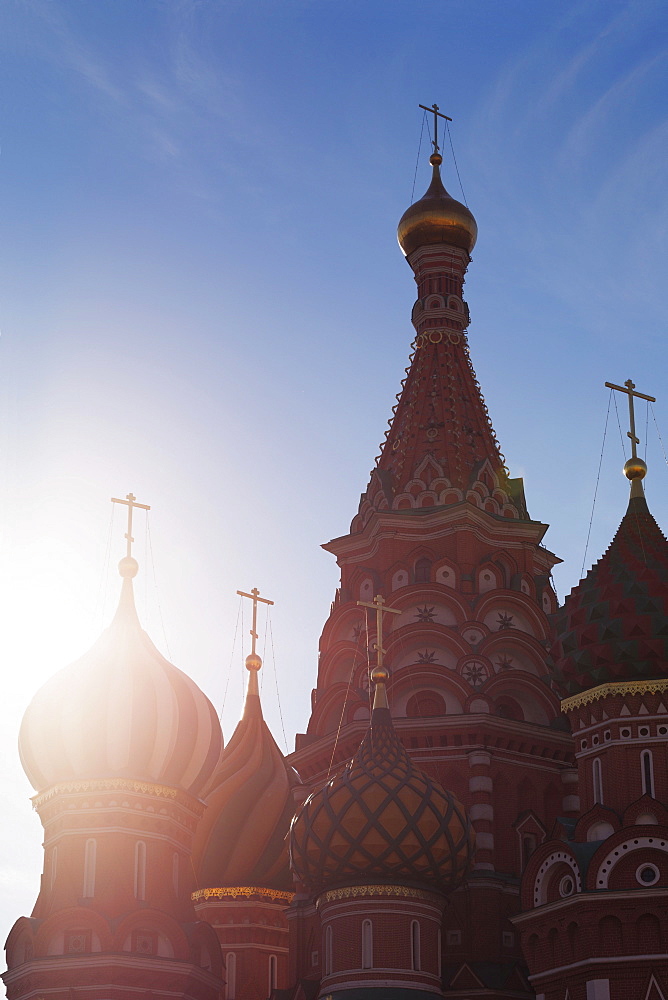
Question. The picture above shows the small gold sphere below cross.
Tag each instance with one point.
(380, 675)
(253, 662)
(128, 567)
(635, 468)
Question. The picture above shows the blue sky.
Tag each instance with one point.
(202, 301)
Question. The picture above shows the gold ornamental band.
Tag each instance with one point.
(353, 891)
(436, 336)
(235, 891)
(612, 689)
(107, 785)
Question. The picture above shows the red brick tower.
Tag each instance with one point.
(240, 855)
(117, 746)
(381, 846)
(443, 534)
(596, 894)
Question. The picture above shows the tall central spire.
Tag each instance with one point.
(441, 448)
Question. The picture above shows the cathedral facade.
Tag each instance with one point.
(479, 804)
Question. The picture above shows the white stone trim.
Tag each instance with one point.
(617, 853)
(550, 862)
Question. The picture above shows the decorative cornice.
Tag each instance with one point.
(355, 891)
(111, 785)
(612, 689)
(246, 891)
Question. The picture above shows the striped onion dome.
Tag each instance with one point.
(381, 818)
(242, 837)
(613, 625)
(121, 711)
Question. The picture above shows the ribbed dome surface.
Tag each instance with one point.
(121, 711)
(612, 626)
(437, 217)
(381, 818)
(242, 838)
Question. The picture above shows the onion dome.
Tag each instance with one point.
(612, 626)
(437, 218)
(381, 818)
(242, 838)
(121, 711)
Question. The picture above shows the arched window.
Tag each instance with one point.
(175, 872)
(597, 773)
(273, 973)
(54, 864)
(140, 870)
(610, 936)
(89, 869)
(230, 975)
(328, 951)
(572, 935)
(367, 945)
(600, 831)
(415, 946)
(528, 847)
(647, 766)
(423, 570)
(648, 932)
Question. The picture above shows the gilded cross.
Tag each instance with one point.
(380, 608)
(433, 110)
(630, 393)
(254, 596)
(130, 502)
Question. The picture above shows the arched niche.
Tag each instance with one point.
(426, 704)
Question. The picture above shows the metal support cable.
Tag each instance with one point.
(598, 477)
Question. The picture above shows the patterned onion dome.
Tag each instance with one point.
(613, 625)
(381, 818)
(121, 711)
(436, 218)
(242, 838)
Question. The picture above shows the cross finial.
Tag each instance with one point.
(130, 502)
(254, 596)
(434, 110)
(378, 604)
(635, 468)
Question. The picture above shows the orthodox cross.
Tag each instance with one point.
(630, 393)
(437, 114)
(254, 596)
(130, 502)
(379, 605)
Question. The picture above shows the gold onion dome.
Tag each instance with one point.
(121, 711)
(242, 837)
(381, 818)
(436, 218)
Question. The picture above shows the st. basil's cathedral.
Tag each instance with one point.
(478, 807)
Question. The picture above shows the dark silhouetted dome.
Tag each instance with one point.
(242, 838)
(381, 818)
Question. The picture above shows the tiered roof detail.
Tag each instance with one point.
(440, 448)
(381, 818)
(612, 626)
(242, 838)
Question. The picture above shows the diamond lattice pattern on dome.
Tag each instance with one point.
(382, 817)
